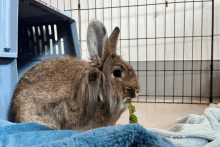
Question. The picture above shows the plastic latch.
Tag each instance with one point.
(7, 49)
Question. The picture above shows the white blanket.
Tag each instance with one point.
(195, 130)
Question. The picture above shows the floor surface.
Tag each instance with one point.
(161, 115)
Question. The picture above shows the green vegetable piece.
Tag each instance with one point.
(132, 117)
(132, 109)
(128, 101)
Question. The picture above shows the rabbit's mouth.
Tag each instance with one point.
(127, 98)
(123, 104)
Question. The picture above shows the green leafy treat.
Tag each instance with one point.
(128, 101)
(132, 117)
(132, 108)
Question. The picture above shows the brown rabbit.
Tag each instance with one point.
(70, 93)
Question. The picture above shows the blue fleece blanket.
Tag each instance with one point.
(34, 134)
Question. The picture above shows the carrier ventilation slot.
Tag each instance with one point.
(44, 32)
(51, 46)
(36, 46)
(40, 45)
(34, 33)
(38, 28)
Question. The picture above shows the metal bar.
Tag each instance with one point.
(192, 54)
(95, 10)
(211, 82)
(146, 50)
(70, 9)
(144, 5)
(165, 49)
(168, 37)
(184, 45)
(64, 5)
(137, 46)
(111, 14)
(103, 9)
(88, 10)
(171, 96)
(129, 32)
(80, 37)
(120, 27)
(155, 50)
(201, 57)
(170, 102)
(174, 49)
(174, 70)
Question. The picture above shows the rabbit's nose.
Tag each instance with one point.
(133, 93)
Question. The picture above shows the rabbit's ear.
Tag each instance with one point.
(113, 40)
(89, 91)
(96, 38)
(107, 88)
(111, 44)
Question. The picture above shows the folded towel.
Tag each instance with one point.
(195, 130)
(34, 134)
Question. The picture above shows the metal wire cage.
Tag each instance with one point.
(172, 45)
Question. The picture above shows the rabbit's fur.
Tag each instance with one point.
(69, 93)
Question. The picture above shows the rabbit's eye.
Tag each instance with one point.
(92, 77)
(117, 73)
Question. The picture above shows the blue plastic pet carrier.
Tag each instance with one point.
(30, 31)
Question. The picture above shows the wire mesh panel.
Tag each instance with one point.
(172, 45)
